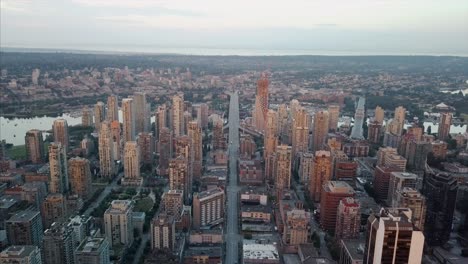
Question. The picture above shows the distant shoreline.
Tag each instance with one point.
(239, 52)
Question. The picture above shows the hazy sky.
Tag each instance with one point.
(368, 26)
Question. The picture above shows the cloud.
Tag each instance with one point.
(21, 6)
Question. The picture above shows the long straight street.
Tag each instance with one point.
(232, 237)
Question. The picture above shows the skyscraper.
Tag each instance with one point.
(59, 244)
(132, 160)
(321, 174)
(399, 180)
(53, 209)
(334, 115)
(410, 198)
(374, 132)
(270, 142)
(93, 250)
(195, 135)
(142, 118)
(391, 238)
(444, 126)
(99, 114)
(300, 133)
(80, 177)
(321, 121)
(21, 254)
(332, 193)
(218, 141)
(112, 108)
(163, 232)
(208, 207)
(146, 145)
(178, 115)
(379, 115)
(60, 128)
(179, 175)
(440, 190)
(165, 150)
(261, 103)
(359, 116)
(25, 228)
(306, 169)
(416, 154)
(128, 119)
(58, 169)
(348, 219)
(398, 122)
(282, 169)
(34, 146)
(161, 119)
(118, 223)
(116, 139)
(172, 202)
(202, 114)
(106, 151)
(86, 117)
(282, 122)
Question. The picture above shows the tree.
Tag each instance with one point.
(429, 130)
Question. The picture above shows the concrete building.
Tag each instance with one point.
(282, 170)
(132, 160)
(142, 115)
(300, 133)
(306, 169)
(112, 113)
(399, 180)
(382, 181)
(128, 112)
(416, 154)
(440, 190)
(202, 114)
(163, 232)
(194, 132)
(208, 207)
(357, 131)
(118, 223)
(178, 115)
(146, 145)
(379, 115)
(322, 173)
(59, 244)
(439, 149)
(161, 119)
(219, 140)
(99, 114)
(60, 129)
(270, 142)
(320, 132)
(93, 250)
(332, 193)
(348, 219)
(53, 209)
(352, 251)
(34, 146)
(333, 117)
(247, 146)
(374, 132)
(80, 177)
(21, 255)
(254, 253)
(250, 172)
(165, 151)
(106, 151)
(261, 104)
(297, 228)
(179, 176)
(408, 197)
(399, 121)
(25, 228)
(116, 139)
(172, 203)
(58, 169)
(86, 117)
(444, 126)
(391, 238)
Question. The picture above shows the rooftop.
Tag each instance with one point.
(203, 251)
(210, 193)
(354, 247)
(91, 244)
(23, 216)
(17, 251)
(260, 251)
(338, 187)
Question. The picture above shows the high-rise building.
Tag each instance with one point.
(131, 160)
(282, 129)
(106, 151)
(208, 207)
(399, 180)
(333, 116)
(270, 142)
(319, 135)
(344, 168)
(21, 255)
(332, 193)
(34, 146)
(59, 244)
(80, 177)
(306, 169)
(439, 149)
(321, 174)
(398, 121)
(348, 219)
(410, 198)
(179, 175)
(118, 223)
(382, 181)
(163, 232)
(282, 170)
(161, 119)
(112, 109)
(187, 120)
(261, 104)
(297, 227)
(86, 117)
(58, 169)
(35, 76)
(444, 126)
(379, 115)
(383, 152)
(196, 137)
(25, 228)
(247, 146)
(142, 116)
(128, 111)
(391, 238)
(145, 143)
(357, 131)
(60, 128)
(165, 150)
(178, 115)
(99, 114)
(416, 154)
(172, 202)
(440, 190)
(374, 132)
(93, 250)
(202, 114)
(219, 141)
(300, 133)
(116, 139)
(53, 209)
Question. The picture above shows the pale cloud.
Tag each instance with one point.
(22, 6)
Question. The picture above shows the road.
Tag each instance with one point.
(232, 232)
(103, 195)
(144, 239)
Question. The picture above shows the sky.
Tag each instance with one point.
(437, 27)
